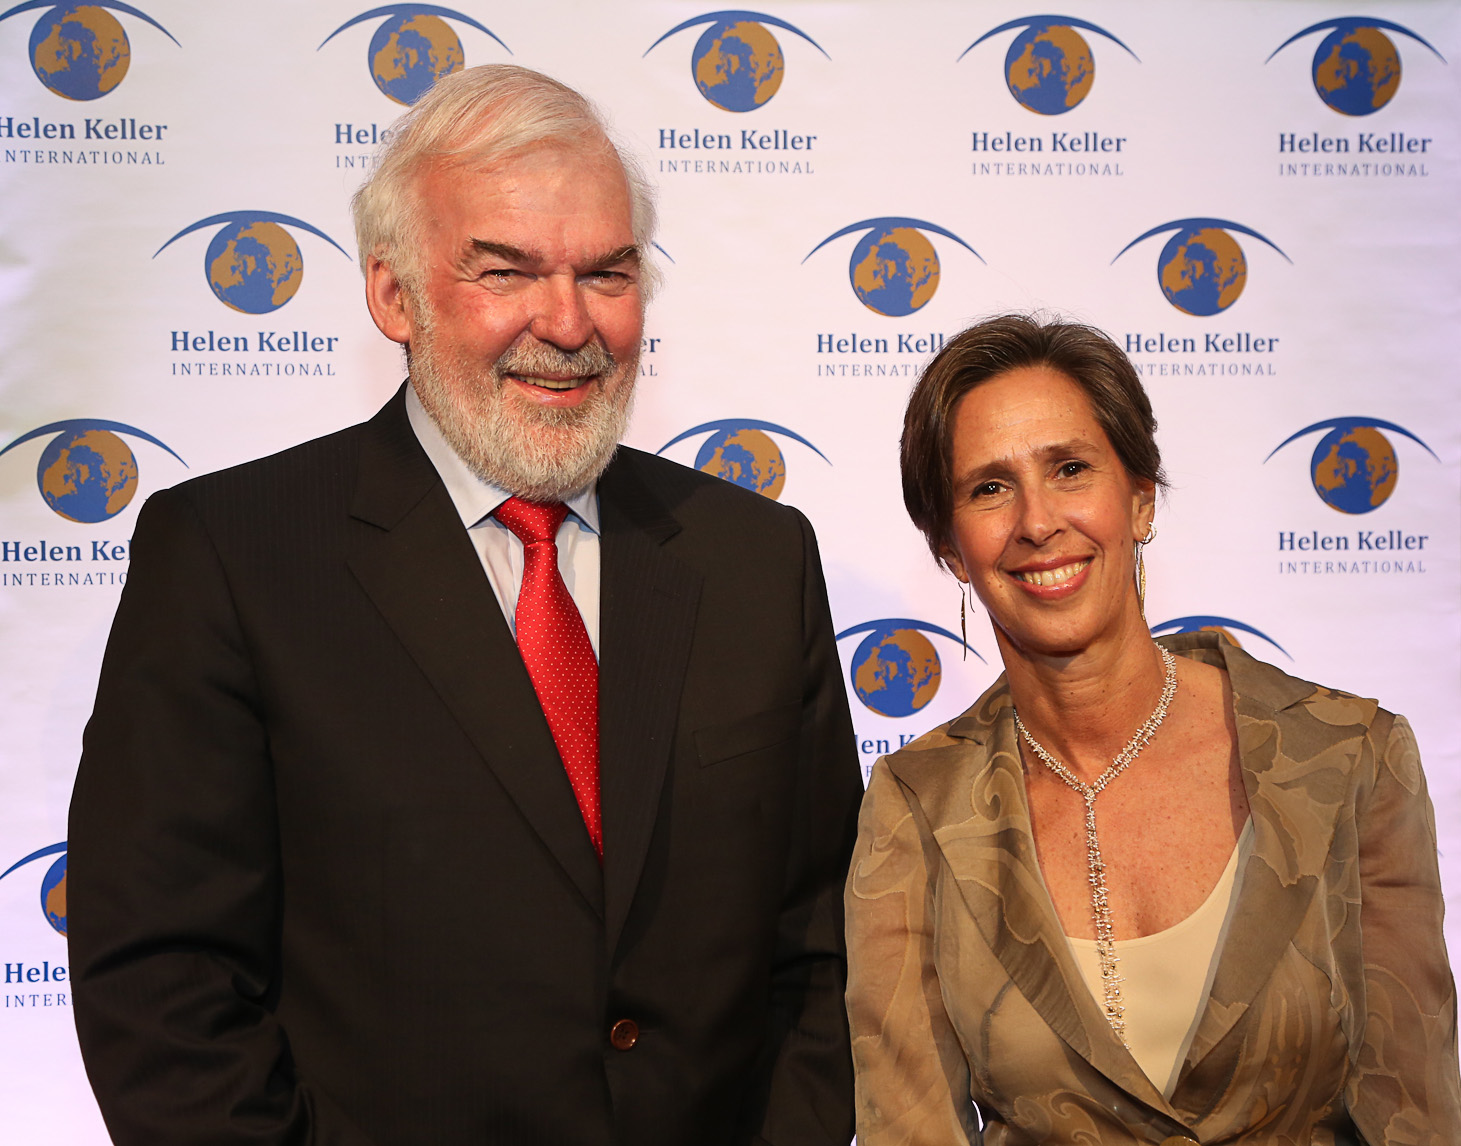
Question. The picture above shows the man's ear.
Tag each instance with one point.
(387, 301)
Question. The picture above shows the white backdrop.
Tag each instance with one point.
(1318, 248)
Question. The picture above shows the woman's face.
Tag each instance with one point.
(1045, 514)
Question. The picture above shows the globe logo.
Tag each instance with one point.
(894, 269)
(1201, 270)
(1049, 67)
(86, 473)
(253, 264)
(895, 669)
(1222, 626)
(53, 884)
(1356, 69)
(742, 451)
(81, 51)
(1354, 468)
(413, 47)
(737, 63)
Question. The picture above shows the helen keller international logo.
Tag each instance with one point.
(1201, 270)
(737, 63)
(895, 668)
(253, 264)
(53, 884)
(743, 452)
(86, 473)
(1225, 627)
(1354, 467)
(1049, 67)
(81, 51)
(894, 269)
(1356, 69)
(413, 47)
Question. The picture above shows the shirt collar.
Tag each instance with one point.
(475, 498)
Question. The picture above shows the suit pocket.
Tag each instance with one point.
(737, 738)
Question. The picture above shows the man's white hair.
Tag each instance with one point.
(478, 117)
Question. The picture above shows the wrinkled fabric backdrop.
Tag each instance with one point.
(1256, 200)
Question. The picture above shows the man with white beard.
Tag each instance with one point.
(463, 777)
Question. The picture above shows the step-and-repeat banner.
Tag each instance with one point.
(1258, 201)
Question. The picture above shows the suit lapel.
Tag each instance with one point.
(993, 861)
(648, 601)
(1295, 802)
(413, 558)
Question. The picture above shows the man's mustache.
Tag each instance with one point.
(543, 358)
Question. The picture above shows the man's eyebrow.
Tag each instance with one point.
(501, 250)
(629, 253)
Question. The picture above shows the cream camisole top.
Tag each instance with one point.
(1167, 976)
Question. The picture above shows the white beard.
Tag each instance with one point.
(534, 452)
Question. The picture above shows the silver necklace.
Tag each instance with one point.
(1100, 908)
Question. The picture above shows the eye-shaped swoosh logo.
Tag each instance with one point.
(1356, 69)
(896, 669)
(1049, 67)
(742, 451)
(413, 47)
(737, 63)
(1202, 269)
(1354, 467)
(894, 269)
(53, 884)
(87, 473)
(81, 51)
(253, 264)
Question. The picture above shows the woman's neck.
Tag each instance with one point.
(1083, 708)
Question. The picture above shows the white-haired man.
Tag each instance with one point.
(461, 777)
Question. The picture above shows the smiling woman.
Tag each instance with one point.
(1116, 899)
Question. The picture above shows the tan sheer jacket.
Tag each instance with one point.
(1332, 1016)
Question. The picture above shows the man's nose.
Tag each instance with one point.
(561, 314)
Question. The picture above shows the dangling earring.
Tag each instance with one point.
(963, 629)
(1151, 532)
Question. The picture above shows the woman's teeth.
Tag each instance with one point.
(1047, 577)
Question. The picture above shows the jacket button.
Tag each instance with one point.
(624, 1034)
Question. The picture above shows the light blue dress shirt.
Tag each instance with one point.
(498, 548)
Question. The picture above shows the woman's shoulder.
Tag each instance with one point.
(1262, 689)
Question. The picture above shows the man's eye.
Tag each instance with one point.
(1073, 469)
(987, 489)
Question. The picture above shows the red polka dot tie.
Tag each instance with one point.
(555, 647)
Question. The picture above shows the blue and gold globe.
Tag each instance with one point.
(254, 266)
(895, 671)
(1202, 270)
(1354, 469)
(1356, 70)
(894, 271)
(746, 457)
(737, 65)
(1049, 68)
(80, 51)
(410, 52)
(53, 895)
(87, 475)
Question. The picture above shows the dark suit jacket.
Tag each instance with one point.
(1332, 1015)
(329, 883)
